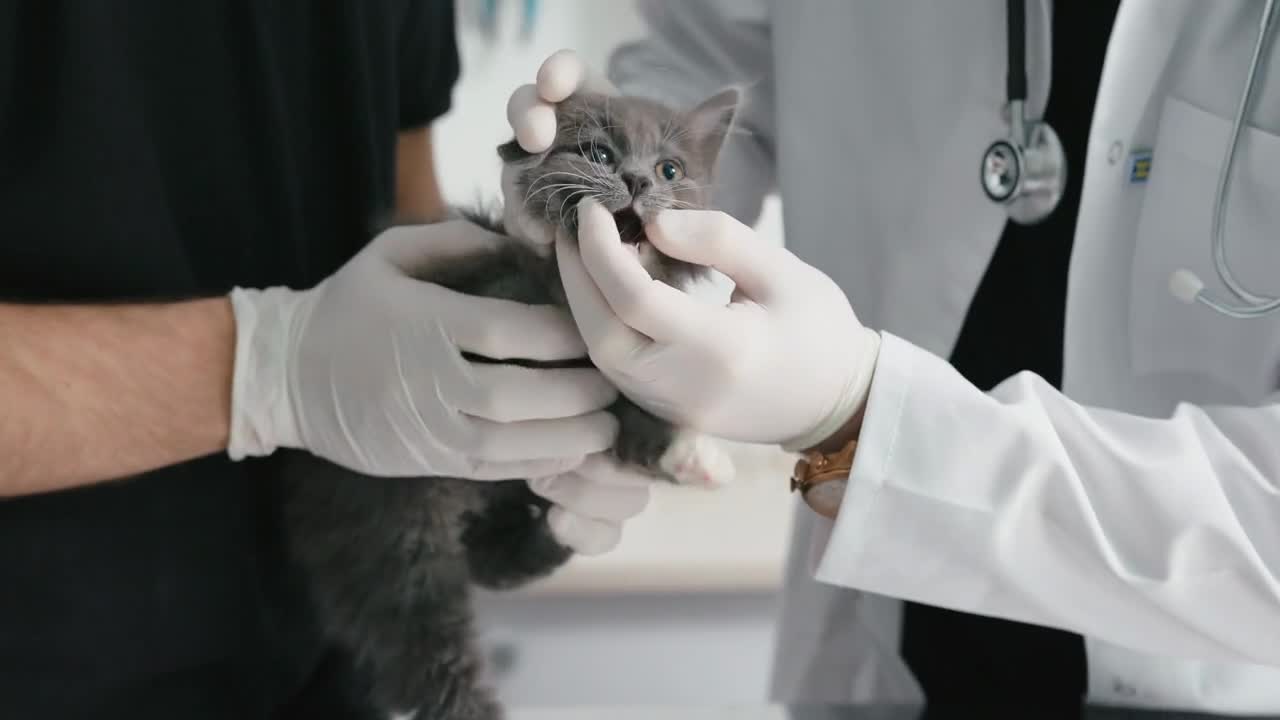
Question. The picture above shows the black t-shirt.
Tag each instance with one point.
(174, 149)
(1015, 323)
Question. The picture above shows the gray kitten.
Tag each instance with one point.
(391, 561)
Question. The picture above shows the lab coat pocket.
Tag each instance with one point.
(1214, 358)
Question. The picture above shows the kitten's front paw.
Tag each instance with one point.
(697, 460)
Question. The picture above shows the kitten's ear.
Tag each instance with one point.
(511, 151)
(712, 120)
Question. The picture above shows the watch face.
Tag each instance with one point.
(825, 498)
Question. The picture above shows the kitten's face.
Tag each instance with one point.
(633, 156)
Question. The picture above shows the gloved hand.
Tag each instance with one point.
(531, 108)
(592, 502)
(365, 370)
(785, 361)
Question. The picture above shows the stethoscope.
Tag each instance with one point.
(1027, 171)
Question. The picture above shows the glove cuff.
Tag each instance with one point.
(262, 417)
(848, 400)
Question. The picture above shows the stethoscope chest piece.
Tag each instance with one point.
(1027, 179)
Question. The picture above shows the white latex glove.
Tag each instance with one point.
(592, 502)
(365, 370)
(531, 108)
(785, 361)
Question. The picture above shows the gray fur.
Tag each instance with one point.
(391, 561)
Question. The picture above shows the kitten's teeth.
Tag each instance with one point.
(697, 460)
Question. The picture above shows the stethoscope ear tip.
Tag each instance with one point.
(1185, 285)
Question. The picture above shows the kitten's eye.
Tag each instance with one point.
(602, 155)
(670, 170)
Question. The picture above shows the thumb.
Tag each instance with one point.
(717, 240)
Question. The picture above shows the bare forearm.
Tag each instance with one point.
(95, 393)
(418, 196)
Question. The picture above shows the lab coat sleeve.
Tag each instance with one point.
(1160, 534)
(694, 48)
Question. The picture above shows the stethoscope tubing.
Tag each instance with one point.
(1184, 284)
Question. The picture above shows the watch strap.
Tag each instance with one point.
(821, 478)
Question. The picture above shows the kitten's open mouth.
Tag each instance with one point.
(630, 227)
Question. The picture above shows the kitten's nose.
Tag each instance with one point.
(636, 184)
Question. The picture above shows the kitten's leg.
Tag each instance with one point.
(681, 456)
(508, 542)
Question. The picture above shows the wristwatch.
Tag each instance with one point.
(822, 477)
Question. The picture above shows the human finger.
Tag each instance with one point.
(506, 330)
(588, 498)
(532, 120)
(717, 240)
(578, 436)
(604, 468)
(649, 306)
(564, 73)
(610, 341)
(560, 75)
(511, 393)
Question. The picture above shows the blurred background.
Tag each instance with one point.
(683, 611)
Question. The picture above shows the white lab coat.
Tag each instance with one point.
(1141, 507)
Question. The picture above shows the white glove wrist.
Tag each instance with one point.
(851, 397)
(262, 416)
